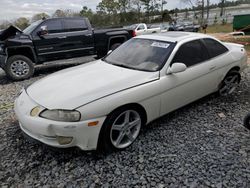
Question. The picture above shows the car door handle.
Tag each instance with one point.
(88, 35)
(62, 37)
(212, 68)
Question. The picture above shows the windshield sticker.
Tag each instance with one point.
(160, 44)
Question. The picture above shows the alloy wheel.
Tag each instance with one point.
(229, 85)
(125, 129)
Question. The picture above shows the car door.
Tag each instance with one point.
(50, 45)
(195, 82)
(220, 60)
(79, 37)
(141, 29)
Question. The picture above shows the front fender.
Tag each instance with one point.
(146, 95)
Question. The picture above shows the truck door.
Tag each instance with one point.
(79, 36)
(49, 45)
(141, 29)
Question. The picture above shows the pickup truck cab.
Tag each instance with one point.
(143, 29)
(53, 39)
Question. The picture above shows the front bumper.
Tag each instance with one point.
(48, 131)
(3, 59)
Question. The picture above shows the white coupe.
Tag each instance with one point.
(105, 103)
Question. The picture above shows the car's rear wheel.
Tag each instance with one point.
(230, 83)
(247, 121)
(120, 130)
(19, 67)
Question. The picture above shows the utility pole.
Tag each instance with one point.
(163, 2)
(202, 11)
(208, 4)
(222, 8)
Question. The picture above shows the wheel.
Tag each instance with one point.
(120, 130)
(114, 46)
(230, 83)
(19, 67)
(247, 121)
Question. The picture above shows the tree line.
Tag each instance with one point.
(122, 12)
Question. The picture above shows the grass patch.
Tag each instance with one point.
(219, 28)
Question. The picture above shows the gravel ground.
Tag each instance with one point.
(201, 145)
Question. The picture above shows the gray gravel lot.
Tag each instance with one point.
(201, 145)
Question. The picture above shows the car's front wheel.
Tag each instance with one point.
(120, 130)
(19, 67)
(230, 83)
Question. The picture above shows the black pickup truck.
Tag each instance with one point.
(53, 39)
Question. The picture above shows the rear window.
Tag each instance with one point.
(214, 47)
(75, 25)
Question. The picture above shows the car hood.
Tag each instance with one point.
(9, 32)
(77, 86)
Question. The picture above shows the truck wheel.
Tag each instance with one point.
(19, 67)
(114, 46)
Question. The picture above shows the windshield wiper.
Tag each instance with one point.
(120, 65)
(124, 66)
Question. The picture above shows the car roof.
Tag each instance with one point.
(174, 36)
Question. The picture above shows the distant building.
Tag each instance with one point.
(214, 14)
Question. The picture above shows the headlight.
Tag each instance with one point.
(61, 115)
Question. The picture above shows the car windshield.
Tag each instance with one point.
(30, 28)
(141, 54)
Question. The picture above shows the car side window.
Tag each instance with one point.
(214, 47)
(71, 25)
(53, 26)
(191, 53)
(141, 27)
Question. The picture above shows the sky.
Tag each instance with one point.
(11, 9)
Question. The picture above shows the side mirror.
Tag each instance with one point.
(176, 68)
(43, 31)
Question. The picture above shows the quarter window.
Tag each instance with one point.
(191, 53)
(214, 47)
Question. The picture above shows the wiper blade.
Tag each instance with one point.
(125, 66)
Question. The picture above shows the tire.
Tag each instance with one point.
(229, 83)
(114, 46)
(247, 121)
(120, 130)
(19, 67)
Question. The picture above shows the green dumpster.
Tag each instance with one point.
(242, 23)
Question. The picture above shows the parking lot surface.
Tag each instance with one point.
(201, 145)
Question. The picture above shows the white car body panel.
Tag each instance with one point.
(94, 80)
(45, 131)
(96, 89)
(146, 30)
